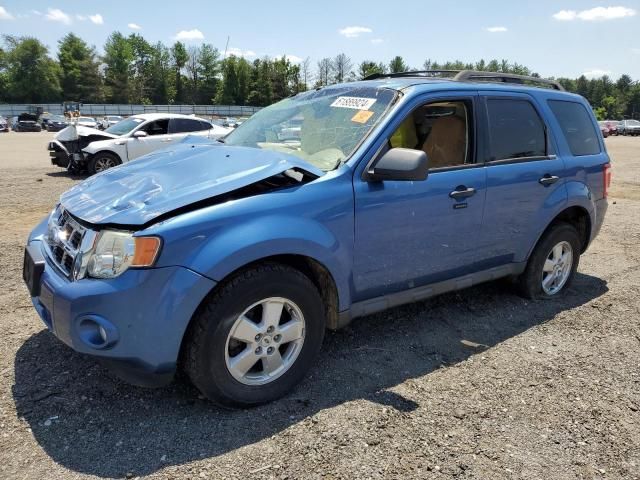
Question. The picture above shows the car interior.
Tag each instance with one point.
(440, 130)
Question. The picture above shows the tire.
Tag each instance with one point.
(530, 282)
(212, 348)
(102, 161)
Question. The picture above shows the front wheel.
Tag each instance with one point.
(256, 337)
(102, 161)
(553, 263)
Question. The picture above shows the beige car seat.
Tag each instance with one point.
(446, 145)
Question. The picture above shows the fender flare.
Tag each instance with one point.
(249, 242)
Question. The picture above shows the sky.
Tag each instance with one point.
(552, 37)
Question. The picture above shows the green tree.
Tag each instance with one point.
(227, 93)
(141, 67)
(368, 67)
(80, 77)
(397, 65)
(31, 76)
(261, 89)
(209, 70)
(180, 57)
(161, 76)
(118, 59)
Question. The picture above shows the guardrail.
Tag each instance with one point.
(100, 109)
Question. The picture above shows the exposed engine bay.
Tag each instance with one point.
(66, 148)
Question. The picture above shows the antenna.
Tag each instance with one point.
(226, 47)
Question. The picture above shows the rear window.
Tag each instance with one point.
(515, 130)
(185, 125)
(577, 127)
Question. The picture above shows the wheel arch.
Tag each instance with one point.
(575, 215)
(318, 273)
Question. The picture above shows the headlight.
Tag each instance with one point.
(115, 252)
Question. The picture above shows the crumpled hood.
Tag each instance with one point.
(137, 192)
(72, 132)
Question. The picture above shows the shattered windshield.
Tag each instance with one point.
(323, 126)
(124, 126)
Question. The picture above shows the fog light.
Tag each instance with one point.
(97, 332)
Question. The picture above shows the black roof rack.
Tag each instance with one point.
(473, 76)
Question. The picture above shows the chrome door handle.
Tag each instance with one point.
(462, 192)
(548, 180)
(167, 139)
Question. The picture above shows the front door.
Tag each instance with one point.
(157, 137)
(408, 233)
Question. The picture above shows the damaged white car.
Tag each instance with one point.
(79, 148)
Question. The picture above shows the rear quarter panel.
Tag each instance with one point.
(584, 178)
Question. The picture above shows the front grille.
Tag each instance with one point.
(64, 241)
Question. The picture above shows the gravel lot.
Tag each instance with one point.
(476, 384)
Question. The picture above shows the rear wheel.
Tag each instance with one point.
(256, 337)
(102, 161)
(552, 264)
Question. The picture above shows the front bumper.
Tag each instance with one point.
(143, 314)
(59, 154)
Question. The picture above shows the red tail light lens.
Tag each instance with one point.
(606, 170)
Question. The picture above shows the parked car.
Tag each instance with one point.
(81, 148)
(109, 121)
(629, 127)
(231, 122)
(604, 129)
(235, 257)
(55, 123)
(27, 123)
(88, 122)
(612, 125)
(4, 125)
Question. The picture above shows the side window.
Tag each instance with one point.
(515, 130)
(186, 125)
(439, 129)
(577, 127)
(157, 127)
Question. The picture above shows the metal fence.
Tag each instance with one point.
(100, 109)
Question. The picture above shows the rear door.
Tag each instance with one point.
(525, 178)
(181, 127)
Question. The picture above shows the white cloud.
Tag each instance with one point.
(354, 32)
(4, 15)
(565, 15)
(189, 35)
(595, 14)
(134, 26)
(97, 19)
(377, 41)
(82, 18)
(291, 58)
(57, 15)
(596, 73)
(237, 52)
(496, 29)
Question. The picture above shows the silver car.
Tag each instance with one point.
(629, 127)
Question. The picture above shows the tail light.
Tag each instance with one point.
(606, 170)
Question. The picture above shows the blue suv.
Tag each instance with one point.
(229, 259)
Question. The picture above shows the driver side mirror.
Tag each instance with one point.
(400, 164)
(140, 134)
